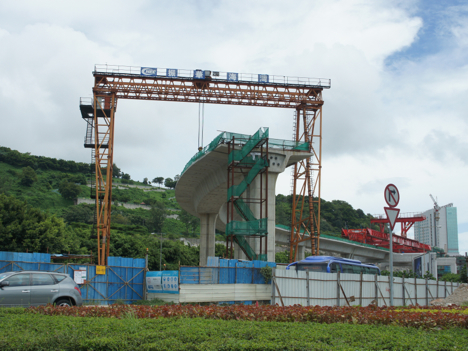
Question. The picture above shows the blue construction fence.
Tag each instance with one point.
(123, 279)
(225, 271)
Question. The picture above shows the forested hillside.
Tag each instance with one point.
(37, 212)
(335, 215)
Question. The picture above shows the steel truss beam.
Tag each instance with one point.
(306, 99)
(215, 92)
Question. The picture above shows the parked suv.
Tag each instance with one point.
(34, 288)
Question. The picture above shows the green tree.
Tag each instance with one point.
(69, 190)
(157, 215)
(145, 181)
(282, 257)
(463, 277)
(169, 183)
(116, 173)
(25, 228)
(124, 197)
(28, 176)
(220, 250)
(158, 180)
(190, 221)
(82, 213)
(450, 277)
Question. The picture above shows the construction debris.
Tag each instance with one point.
(459, 296)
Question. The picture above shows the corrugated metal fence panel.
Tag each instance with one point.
(421, 290)
(241, 272)
(213, 261)
(398, 291)
(323, 289)
(8, 266)
(126, 262)
(232, 272)
(116, 278)
(207, 276)
(244, 276)
(24, 256)
(351, 287)
(138, 277)
(368, 289)
(410, 291)
(5, 256)
(383, 290)
(257, 276)
(241, 293)
(293, 289)
(224, 272)
(189, 275)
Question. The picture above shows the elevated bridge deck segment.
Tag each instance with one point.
(336, 246)
(203, 185)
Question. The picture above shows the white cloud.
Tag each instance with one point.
(403, 124)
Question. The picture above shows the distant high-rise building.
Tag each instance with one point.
(442, 233)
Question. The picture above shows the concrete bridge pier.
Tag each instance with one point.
(301, 252)
(207, 236)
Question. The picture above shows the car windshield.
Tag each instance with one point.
(4, 275)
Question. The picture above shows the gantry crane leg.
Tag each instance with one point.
(305, 214)
(104, 116)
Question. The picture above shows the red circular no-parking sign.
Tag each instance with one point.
(392, 196)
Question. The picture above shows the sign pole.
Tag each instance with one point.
(391, 265)
(392, 198)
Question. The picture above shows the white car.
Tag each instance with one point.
(34, 288)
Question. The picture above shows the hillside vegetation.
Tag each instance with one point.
(37, 212)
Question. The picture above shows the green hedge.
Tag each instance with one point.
(20, 331)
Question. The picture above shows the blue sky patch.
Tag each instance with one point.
(435, 34)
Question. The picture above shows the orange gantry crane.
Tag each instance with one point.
(304, 95)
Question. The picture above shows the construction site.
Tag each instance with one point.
(230, 184)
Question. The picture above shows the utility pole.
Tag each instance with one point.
(160, 253)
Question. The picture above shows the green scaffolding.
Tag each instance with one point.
(237, 190)
(255, 227)
(250, 225)
(256, 140)
(243, 138)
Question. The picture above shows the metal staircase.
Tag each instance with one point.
(242, 159)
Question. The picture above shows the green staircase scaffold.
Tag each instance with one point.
(254, 141)
(250, 225)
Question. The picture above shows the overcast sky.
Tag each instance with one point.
(396, 112)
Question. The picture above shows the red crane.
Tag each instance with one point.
(374, 237)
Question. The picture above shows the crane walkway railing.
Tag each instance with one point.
(215, 76)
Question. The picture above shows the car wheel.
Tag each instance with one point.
(64, 303)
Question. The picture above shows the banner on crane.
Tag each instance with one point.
(149, 71)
